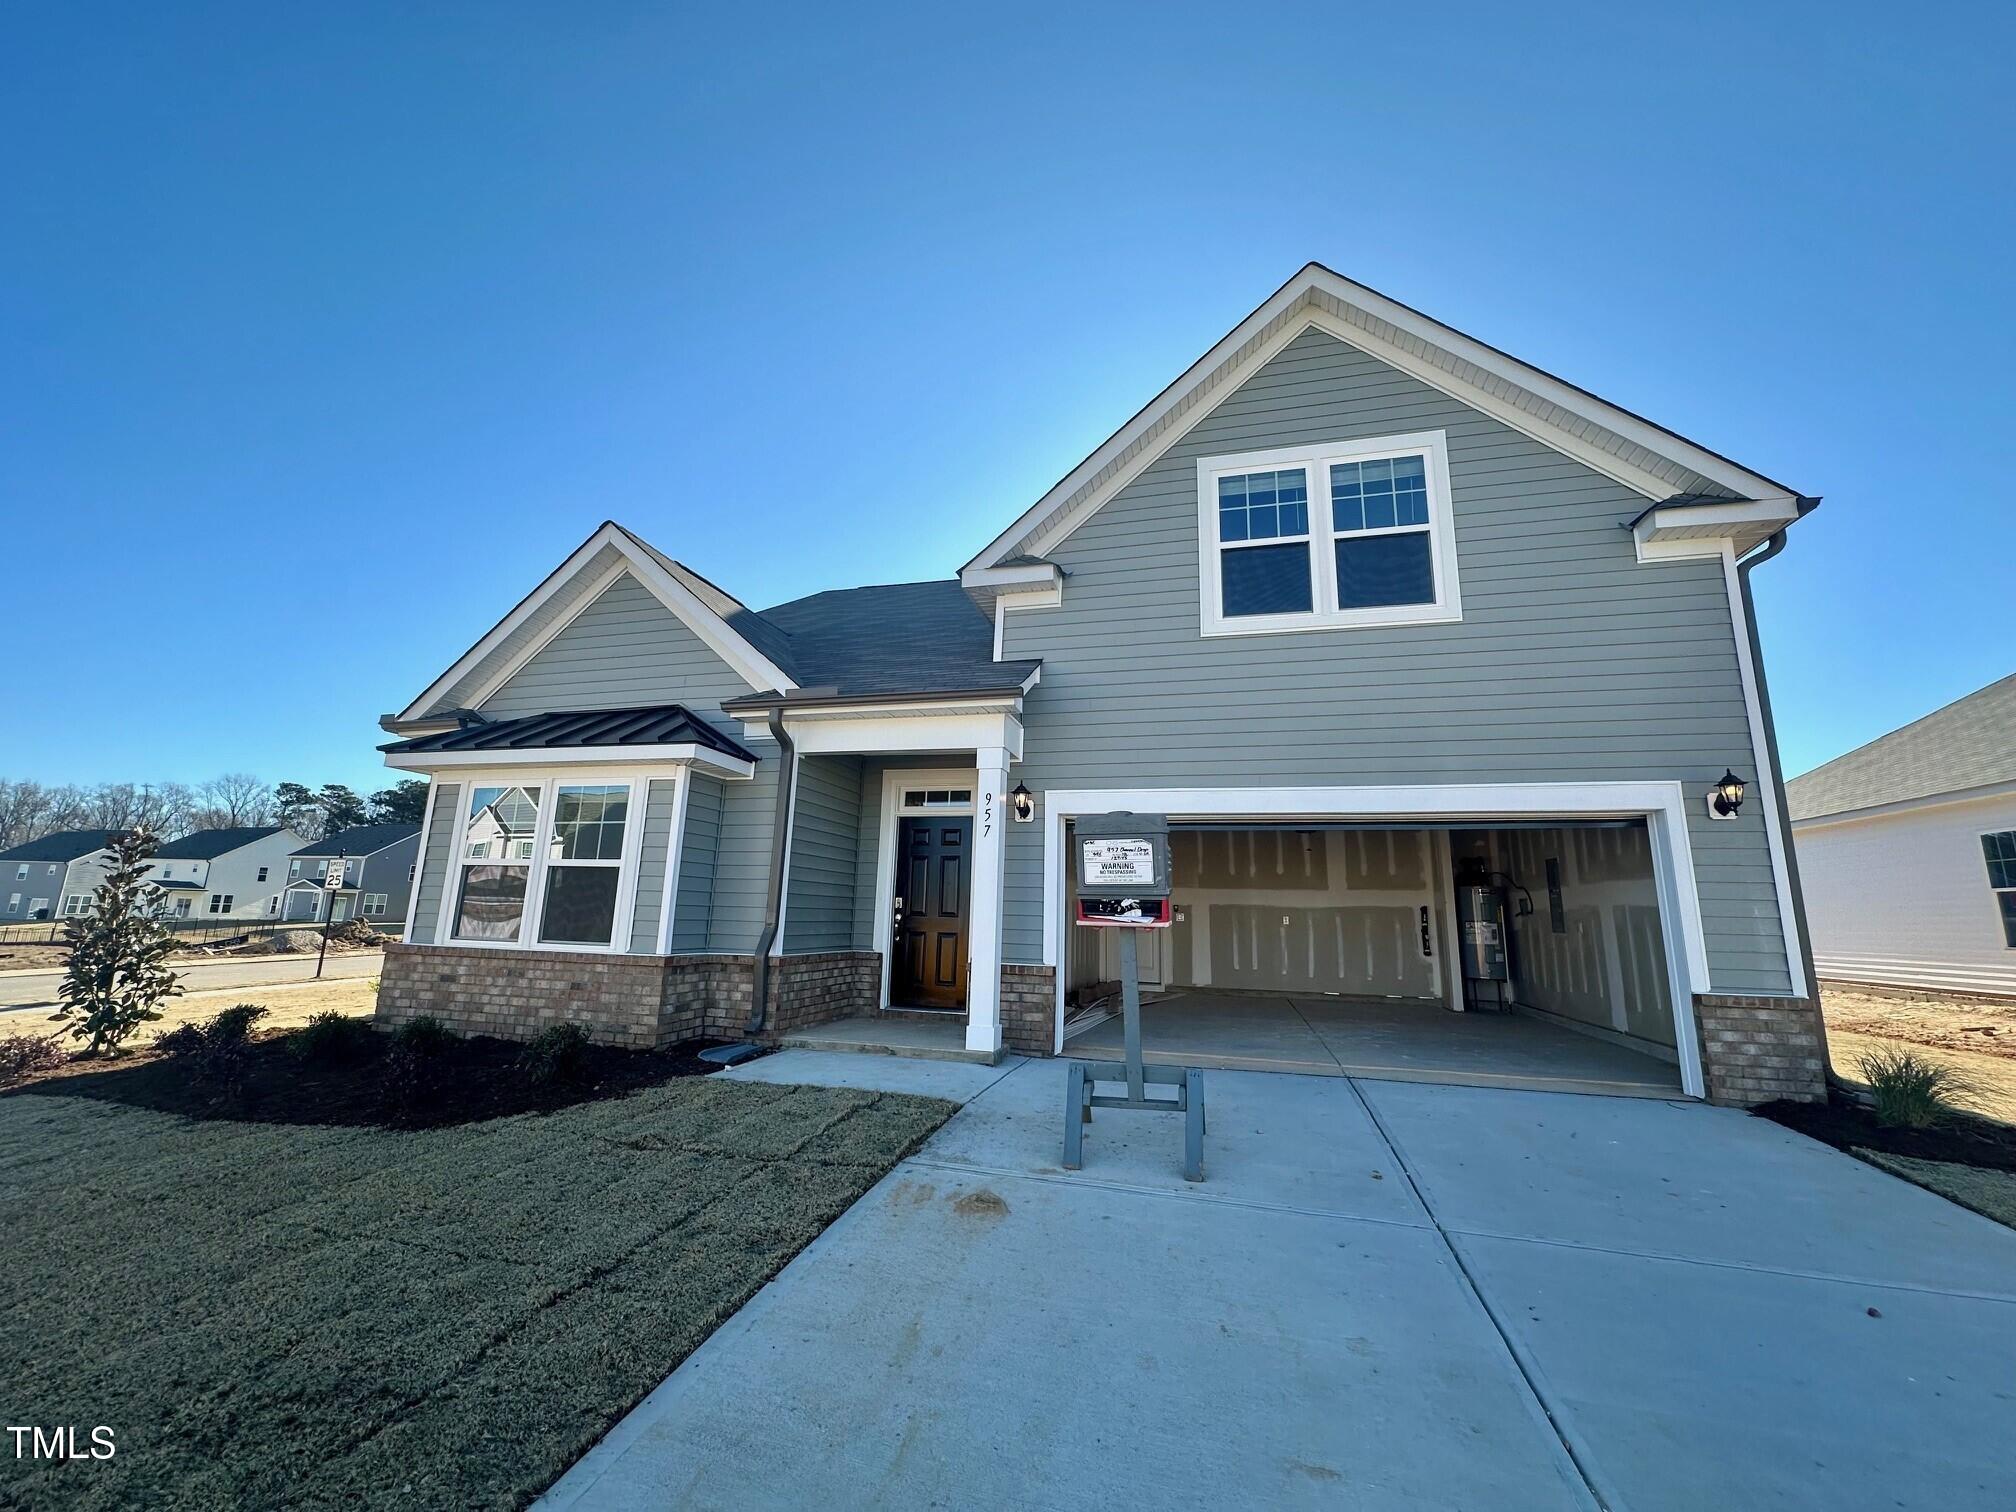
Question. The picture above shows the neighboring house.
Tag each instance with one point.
(224, 873)
(52, 877)
(1363, 605)
(1907, 851)
(365, 872)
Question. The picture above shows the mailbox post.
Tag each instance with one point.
(1122, 870)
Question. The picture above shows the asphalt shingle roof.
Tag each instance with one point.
(359, 840)
(664, 724)
(1970, 743)
(208, 845)
(64, 845)
(895, 638)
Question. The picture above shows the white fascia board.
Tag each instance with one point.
(1034, 575)
(915, 733)
(1905, 806)
(667, 587)
(1243, 351)
(683, 754)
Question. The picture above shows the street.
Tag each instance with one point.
(37, 989)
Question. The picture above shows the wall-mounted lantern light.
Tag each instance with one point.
(1726, 797)
(1025, 803)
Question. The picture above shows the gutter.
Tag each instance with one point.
(818, 698)
(780, 843)
(1772, 546)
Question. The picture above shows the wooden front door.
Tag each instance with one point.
(929, 966)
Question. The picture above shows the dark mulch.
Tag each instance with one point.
(1963, 1140)
(467, 1081)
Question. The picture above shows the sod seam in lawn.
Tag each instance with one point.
(321, 1316)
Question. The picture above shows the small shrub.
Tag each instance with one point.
(556, 1056)
(425, 1035)
(22, 1055)
(1911, 1092)
(218, 1051)
(335, 1039)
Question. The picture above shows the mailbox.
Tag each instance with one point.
(1122, 863)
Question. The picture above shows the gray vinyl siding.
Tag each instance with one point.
(692, 911)
(386, 871)
(441, 830)
(819, 910)
(554, 611)
(1573, 660)
(866, 933)
(656, 841)
(626, 650)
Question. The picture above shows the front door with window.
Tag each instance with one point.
(929, 965)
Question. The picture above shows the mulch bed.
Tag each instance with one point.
(469, 1080)
(1962, 1140)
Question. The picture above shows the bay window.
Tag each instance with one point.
(1327, 536)
(546, 862)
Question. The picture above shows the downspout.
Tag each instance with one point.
(1772, 547)
(780, 841)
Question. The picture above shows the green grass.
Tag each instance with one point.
(1989, 1192)
(273, 1315)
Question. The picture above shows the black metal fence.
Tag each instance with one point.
(193, 931)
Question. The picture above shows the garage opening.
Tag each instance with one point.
(1341, 948)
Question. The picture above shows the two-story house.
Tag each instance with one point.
(364, 872)
(53, 876)
(234, 873)
(1442, 670)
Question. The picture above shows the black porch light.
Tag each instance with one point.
(1728, 794)
(1024, 802)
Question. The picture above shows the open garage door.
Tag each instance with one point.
(1337, 947)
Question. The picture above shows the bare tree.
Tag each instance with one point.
(232, 799)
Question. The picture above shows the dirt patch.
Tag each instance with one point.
(1992, 1194)
(1988, 1081)
(980, 1204)
(1977, 1026)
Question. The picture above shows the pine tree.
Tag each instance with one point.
(118, 973)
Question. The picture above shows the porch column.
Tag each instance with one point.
(983, 969)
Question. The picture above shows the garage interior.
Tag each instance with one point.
(1336, 949)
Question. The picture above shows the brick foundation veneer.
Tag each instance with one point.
(634, 1001)
(1029, 1009)
(1758, 1049)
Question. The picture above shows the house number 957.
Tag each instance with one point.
(986, 814)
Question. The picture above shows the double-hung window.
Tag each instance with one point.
(1999, 850)
(1328, 536)
(544, 863)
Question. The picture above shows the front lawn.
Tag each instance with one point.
(277, 1314)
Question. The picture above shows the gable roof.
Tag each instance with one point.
(1971, 743)
(609, 551)
(64, 845)
(208, 845)
(1648, 458)
(358, 840)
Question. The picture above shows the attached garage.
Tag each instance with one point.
(1336, 945)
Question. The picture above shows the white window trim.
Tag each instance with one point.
(1994, 892)
(1447, 607)
(547, 779)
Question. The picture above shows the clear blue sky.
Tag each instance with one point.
(394, 304)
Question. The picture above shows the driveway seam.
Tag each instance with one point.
(1527, 1371)
(1831, 1277)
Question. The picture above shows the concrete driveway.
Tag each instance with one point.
(1385, 1295)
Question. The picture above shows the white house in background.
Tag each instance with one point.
(225, 873)
(1907, 849)
(53, 877)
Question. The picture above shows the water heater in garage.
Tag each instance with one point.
(1480, 937)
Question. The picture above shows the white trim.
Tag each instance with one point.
(692, 610)
(1764, 793)
(1903, 805)
(674, 852)
(894, 780)
(1314, 461)
(1663, 805)
(690, 753)
(915, 734)
(1246, 348)
(513, 665)
(1042, 598)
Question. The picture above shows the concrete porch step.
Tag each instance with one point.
(919, 1036)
